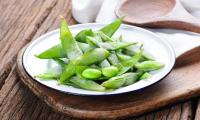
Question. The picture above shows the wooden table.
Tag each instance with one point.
(21, 21)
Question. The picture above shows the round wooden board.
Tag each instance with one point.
(182, 83)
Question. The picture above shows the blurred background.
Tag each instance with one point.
(103, 11)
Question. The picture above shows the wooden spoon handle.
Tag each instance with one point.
(190, 24)
(180, 18)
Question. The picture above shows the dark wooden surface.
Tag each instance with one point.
(22, 21)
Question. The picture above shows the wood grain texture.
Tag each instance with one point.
(180, 84)
(19, 29)
(22, 21)
(181, 111)
(16, 101)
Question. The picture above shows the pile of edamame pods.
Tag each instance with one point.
(97, 61)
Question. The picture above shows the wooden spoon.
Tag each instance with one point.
(157, 13)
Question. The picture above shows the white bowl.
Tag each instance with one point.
(159, 48)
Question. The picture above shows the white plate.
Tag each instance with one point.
(159, 48)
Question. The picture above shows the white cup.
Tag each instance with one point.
(85, 11)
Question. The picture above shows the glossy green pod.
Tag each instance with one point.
(149, 65)
(104, 37)
(104, 63)
(123, 57)
(88, 58)
(110, 71)
(48, 76)
(111, 28)
(113, 59)
(68, 72)
(81, 36)
(91, 73)
(92, 56)
(128, 64)
(116, 45)
(54, 52)
(97, 42)
(130, 78)
(114, 82)
(87, 84)
(69, 44)
(84, 46)
(79, 70)
(145, 75)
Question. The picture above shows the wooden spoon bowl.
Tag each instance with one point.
(157, 13)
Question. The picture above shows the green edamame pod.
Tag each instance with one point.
(58, 52)
(149, 65)
(116, 45)
(54, 52)
(113, 59)
(84, 46)
(71, 49)
(97, 42)
(110, 71)
(79, 70)
(92, 56)
(147, 56)
(69, 44)
(87, 84)
(130, 78)
(126, 65)
(104, 37)
(129, 52)
(114, 82)
(123, 57)
(69, 83)
(91, 73)
(111, 28)
(133, 59)
(104, 63)
(146, 75)
(122, 80)
(93, 41)
(48, 76)
(81, 36)
(69, 71)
